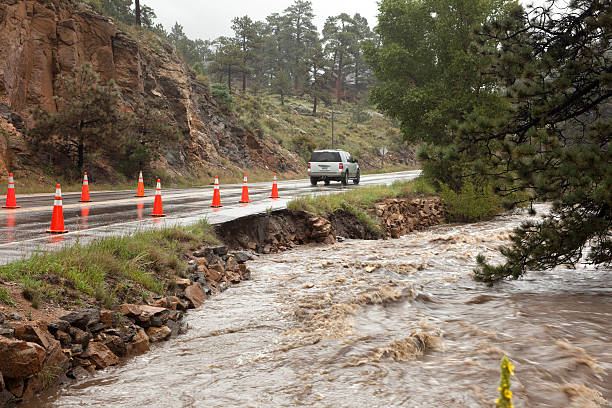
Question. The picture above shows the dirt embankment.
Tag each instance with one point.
(35, 355)
(285, 229)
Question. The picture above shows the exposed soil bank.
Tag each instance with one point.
(35, 355)
(285, 229)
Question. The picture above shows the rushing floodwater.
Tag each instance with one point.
(315, 328)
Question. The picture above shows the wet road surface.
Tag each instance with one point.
(315, 328)
(22, 231)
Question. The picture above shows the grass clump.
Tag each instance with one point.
(360, 199)
(111, 269)
(6, 298)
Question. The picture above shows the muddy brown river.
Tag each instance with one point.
(395, 323)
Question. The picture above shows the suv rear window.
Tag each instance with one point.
(325, 157)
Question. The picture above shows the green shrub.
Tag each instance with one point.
(221, 93)
(472, 203)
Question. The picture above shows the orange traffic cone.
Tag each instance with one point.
(11, 201)
(140, 189)
(216, 194)
(274, 188)
(158, 211)
(85, 191)
(57, 220)
(245, 191)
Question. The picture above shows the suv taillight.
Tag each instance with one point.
(308, 164)
(340, 166)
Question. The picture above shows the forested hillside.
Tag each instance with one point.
(100, 86)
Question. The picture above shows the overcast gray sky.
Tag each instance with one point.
(210, 19)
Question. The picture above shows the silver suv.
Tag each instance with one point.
(337, 165)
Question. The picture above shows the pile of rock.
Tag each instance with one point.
(36, 355)
(400, 216)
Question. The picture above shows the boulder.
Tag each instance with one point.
(245, 272)
(231, 264)
(175, 315)
(217, 266)
(115, 344)
(200, 277)
(14, 316)
(126, 333)
(320, 228)
(78, 373)
(32, 332)
(76, 349)
(213, 275)
(106, 317)
(79, 336)
(59, 325)
(242, 257)
(15, 386)
(157, 334)
(6, 331)
(139, 344)
(195, 295)
(100, 355)
(64, 338)
(182, 283)
(144, 314)
(20, 358)
(82, 318)
(220, 250)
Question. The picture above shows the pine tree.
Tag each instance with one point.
(552, 139)
(247, 33)
(299, 28)
(87, 120)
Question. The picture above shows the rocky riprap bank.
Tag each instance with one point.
(37, 355)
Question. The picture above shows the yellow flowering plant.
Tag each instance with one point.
(505, 395)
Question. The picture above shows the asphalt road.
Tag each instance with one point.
(22, 231)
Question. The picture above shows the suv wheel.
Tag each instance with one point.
(314, 181)
(357, 179)
(345, 180)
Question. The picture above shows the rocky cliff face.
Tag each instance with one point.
(42, 39)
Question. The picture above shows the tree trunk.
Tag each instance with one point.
(339, 81)
(282, 95)
(81, 155)
(137, 13)
(244, 79)
(314, 106)
(229, 78)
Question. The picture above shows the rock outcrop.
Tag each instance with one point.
(44, 39)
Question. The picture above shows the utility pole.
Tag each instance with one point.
(137, 13)
(334, 113)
